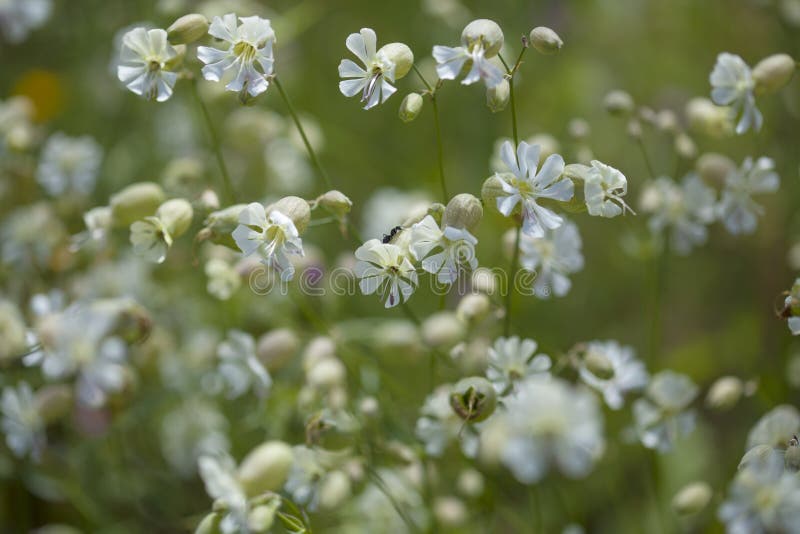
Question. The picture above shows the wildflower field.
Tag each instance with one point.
(424, 266)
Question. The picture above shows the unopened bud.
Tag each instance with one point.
(53, 402)
(579, 129)
(724, 393)
(684, 146)
(219, 225)
(491, 189)
(210, 524)
(471, 483)
(598, 364)
(401, 55)
(187, 29)
(485, 32)
(277, 347)
(714, 168)
(326, 374)
(473, 308)
(183, 175)
(667, 121)
(176, 216)
(336, 203)
(619, 103)
(208, 201)
(497, 97)
(691, 499)
(442, 330)
(296, 209)
(265, 468)
(635, 129)
(334, 490)
(319, 348)
(707, 118)
(463, 211)
(450, 511)
(262, 516)
(177, 60)
(473, 399)
(410, 107)
(484, 280)
(545, 40)
(772, 73)
(135, 202)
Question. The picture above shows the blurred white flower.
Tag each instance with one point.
(552, 257)
(732, 85)
(548, 422)
(144, 64)
(455, 246)
(239, 367)
(150, 239)
(625, 372)
(69, 164)
(374, 82)
(604, 187)
(737, 209)
(763, 498)
(662, 417)
(21, 422)
(223, 279)
(219, 476)
(18, 17)
(193, 429)
(684, 210)
(512, 359)
(525, 185)
(775, 428)
(272, 235)
(439, 426)
(385, 269)
(249, 46)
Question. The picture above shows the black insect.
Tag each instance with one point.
(393, 232)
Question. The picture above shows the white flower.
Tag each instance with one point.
(69, 164)
(194, 429)
(737, 209)
(775, 428)
(480, 40)
(223, 279)
(249, 46)
(372, 83)
(763, 498)
(21, 422)
(439, 426)
(385, 269)
(144, 64)
(548, 421)
(239, 367)
(732, 85)
(626, 372)
(150, 239)
(18, 17)
(661, 418)
(524, 185)
(512, 359)
(272, 235)
(684, 209)
(456, 249)
(552, 257)
(219, 475)
(603, 189)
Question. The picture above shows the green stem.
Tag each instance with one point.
(658, 282)
(438, 127)
(311, 153)
(212, 132)
(510, 288)
(381, 485)
(647, 162)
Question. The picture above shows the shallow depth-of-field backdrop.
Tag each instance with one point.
(139, 369)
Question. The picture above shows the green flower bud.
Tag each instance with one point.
(262, 514)
(486, 32)
(442, 330)
(220, 224)
(326, 374)
(410, 107)
(336, 203)
(545, 40)
(176, 62)
(598, 364)
(692, 498)
(187, 29)
(183, 175)
(210, 524)
(176, 216)
(724, 393)
(296, 209)
(484, 280)
(473, 308)
(334, 490)
(276, 348)
(685, 146)
(714, 168)
(707, 118)
(772, 73)
(401, 55)
(265, 468)
(473, 399)
(497, 97)
(53, 402)
(618, 103)
(491, 189)
(135, 202)
(463, 211)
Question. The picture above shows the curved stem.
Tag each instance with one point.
(212, 133)
(309, 148)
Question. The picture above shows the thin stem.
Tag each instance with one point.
(658, 282)
(510, 288)
(311, 153)
(212, 132)
(381, 485)
(439, 147)
(511, 72)
(646, 157)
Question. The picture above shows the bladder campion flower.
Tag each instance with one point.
(273, 235)
(384, 268)
(481, 40)
(733, 85)
(145, 64)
